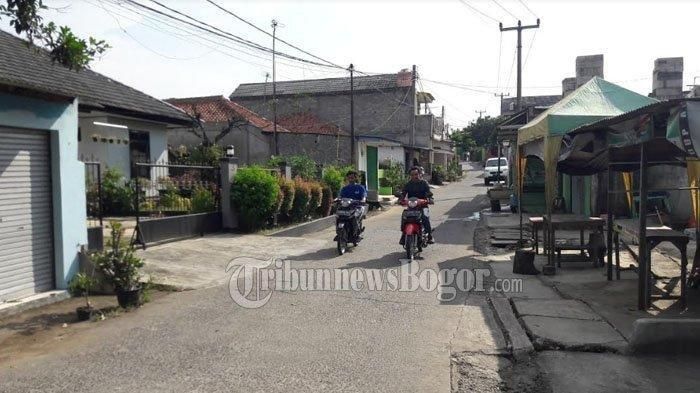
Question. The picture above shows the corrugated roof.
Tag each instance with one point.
(25, 66)
(308, 123)
(328, 85)
(219, 109)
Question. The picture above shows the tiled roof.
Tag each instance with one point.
(308, 123)
(218, 109)
(31, 68)
(329, 85)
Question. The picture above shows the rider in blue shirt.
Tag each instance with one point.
(353, 190)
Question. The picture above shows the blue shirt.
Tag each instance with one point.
(354, 191)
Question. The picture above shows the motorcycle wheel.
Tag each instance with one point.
(342, 246)
(410, 244)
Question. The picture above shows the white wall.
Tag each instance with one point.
(393, 153)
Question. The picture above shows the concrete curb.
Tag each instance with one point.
(518, 340)
(667, 336)
(38, 300)
(306, 227)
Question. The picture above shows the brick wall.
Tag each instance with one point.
(587, 67)
(668, 78)
(324, 149)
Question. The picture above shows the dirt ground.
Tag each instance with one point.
(46, 329)
(475, 372)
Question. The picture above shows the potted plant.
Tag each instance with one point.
(121, 267)
(80, 285)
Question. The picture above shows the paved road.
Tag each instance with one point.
(299, 341)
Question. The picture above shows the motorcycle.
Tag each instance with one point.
(415, 238)
(348, 223)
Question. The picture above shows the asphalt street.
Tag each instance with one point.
(299, 341)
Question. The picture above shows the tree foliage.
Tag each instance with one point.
(481, 133)
(63, 46)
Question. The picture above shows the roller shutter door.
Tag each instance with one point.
(26, 222)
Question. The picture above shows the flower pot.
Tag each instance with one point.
(129, 298)
(84, 313)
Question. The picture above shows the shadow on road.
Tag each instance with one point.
(384, 262)
(319, 255)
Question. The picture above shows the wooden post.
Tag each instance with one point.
(609, 204)
(643, 279)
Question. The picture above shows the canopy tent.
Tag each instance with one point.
(595, 100)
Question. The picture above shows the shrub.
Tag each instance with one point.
(438, 175)
(315, 201)
(286, 197)
(395, 177)
(206, 155)
(171, 200)
(302, 196)
(333, 177)
(454, 170)
(303, 166)
(254, 192)
(117, 261)
(326, 201)
(203, 200)
(117, 193)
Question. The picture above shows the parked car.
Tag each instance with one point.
(491, 170)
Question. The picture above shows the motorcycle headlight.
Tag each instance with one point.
(412, 204)
(345, 203)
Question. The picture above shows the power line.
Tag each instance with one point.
(527, 8)
(529, 49)
(265, 32)
(217, 31)
(500, 51)
(478, 11)
(504, 9)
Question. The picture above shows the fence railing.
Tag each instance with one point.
(93, 196)
(164, 190)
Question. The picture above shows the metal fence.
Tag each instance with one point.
(93, 196)
(163, 190)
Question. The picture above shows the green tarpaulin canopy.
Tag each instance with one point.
(597, 99)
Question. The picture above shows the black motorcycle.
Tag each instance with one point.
(348, 223)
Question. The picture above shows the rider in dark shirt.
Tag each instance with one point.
(419, 188)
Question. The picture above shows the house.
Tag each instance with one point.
(42, 187)
(252, 135)
(387, 120)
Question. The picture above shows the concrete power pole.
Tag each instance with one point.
(519, 28)
(353, 159)
(274, 90)
(480, 113)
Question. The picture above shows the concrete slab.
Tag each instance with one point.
(34, 301)
(578, 372)
(520, 344)
(573, 334)
(664, 335)
(556, 308)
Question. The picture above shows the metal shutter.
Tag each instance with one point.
(26, 223)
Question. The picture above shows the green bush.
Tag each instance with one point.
(395, 177)
(302, 166)
(326, 201)
(454, 170)
(333, 177)
(254, 193)
(285, 198)
(438, 175)
(316, 195)
(302, 197)
(206, 155)
(117, 194)
(203, 200)
(117, 261)
(171, 200)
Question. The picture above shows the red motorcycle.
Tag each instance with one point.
(415, 238)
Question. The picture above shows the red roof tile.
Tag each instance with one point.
(308, 123)
(219, 109)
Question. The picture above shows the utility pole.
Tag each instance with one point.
(480, 113)
(519, 28)
(274, 90)
(415, 96)
(352, 116)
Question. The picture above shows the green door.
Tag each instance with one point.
(372, 167)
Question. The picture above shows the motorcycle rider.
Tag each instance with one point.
(418, 188)
(354, 190)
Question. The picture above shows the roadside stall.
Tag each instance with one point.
(663, 133)
(595, 100)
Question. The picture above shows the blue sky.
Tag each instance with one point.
(448, 41)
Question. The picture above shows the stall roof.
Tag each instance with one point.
(672, 129)
(596, 99)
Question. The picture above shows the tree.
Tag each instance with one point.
(483, 131)
(198, 128)
(63, 46)
(463, 140)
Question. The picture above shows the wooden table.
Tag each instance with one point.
(567, 222)
(655, 235)
(537, 223)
